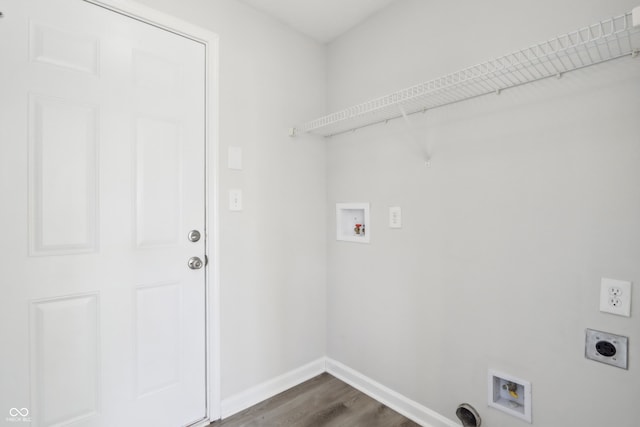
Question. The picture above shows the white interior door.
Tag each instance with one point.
(102, 167)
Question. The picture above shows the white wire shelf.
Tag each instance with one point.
(607, 40)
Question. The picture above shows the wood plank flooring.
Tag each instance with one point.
(323, 401)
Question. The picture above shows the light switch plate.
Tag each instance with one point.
(234, 158)
(615, 297)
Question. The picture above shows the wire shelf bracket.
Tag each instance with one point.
(604, 41)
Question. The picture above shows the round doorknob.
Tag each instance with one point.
(195, 263)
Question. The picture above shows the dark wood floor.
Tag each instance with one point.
(322, 401)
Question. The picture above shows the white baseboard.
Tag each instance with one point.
(399, 403)
(257, 394)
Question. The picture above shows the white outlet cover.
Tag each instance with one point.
(615, 297)
(235, 200)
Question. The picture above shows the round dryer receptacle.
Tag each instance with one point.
(468, 415)
(606, 349)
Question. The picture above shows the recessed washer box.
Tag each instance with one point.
(510, 394)
(352, 222)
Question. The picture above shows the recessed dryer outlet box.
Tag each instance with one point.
(606, 348)
(510, 394)
(352, 222)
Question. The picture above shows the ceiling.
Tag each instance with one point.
(322, 20)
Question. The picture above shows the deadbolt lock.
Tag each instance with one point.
(194, 236)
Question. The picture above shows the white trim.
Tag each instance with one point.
(399, 403)
(394, 400)
(159, 19)
(213, 221)
(211, 42)
(636, 16)
(261, 392)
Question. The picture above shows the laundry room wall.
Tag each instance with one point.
(531, 197)
(273, 253)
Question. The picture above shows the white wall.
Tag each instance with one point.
(273, 254)
(531, 198)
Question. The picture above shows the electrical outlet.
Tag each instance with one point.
(615, 297)
(606, 348)
(395, 217)
(235, 200)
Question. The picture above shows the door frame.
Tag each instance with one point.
(210, 40)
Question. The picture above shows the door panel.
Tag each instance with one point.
(102, 143)
(61, 48)
(158, 171)
(64, 356)
(62, 199)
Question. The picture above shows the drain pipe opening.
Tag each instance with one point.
(468, 415)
